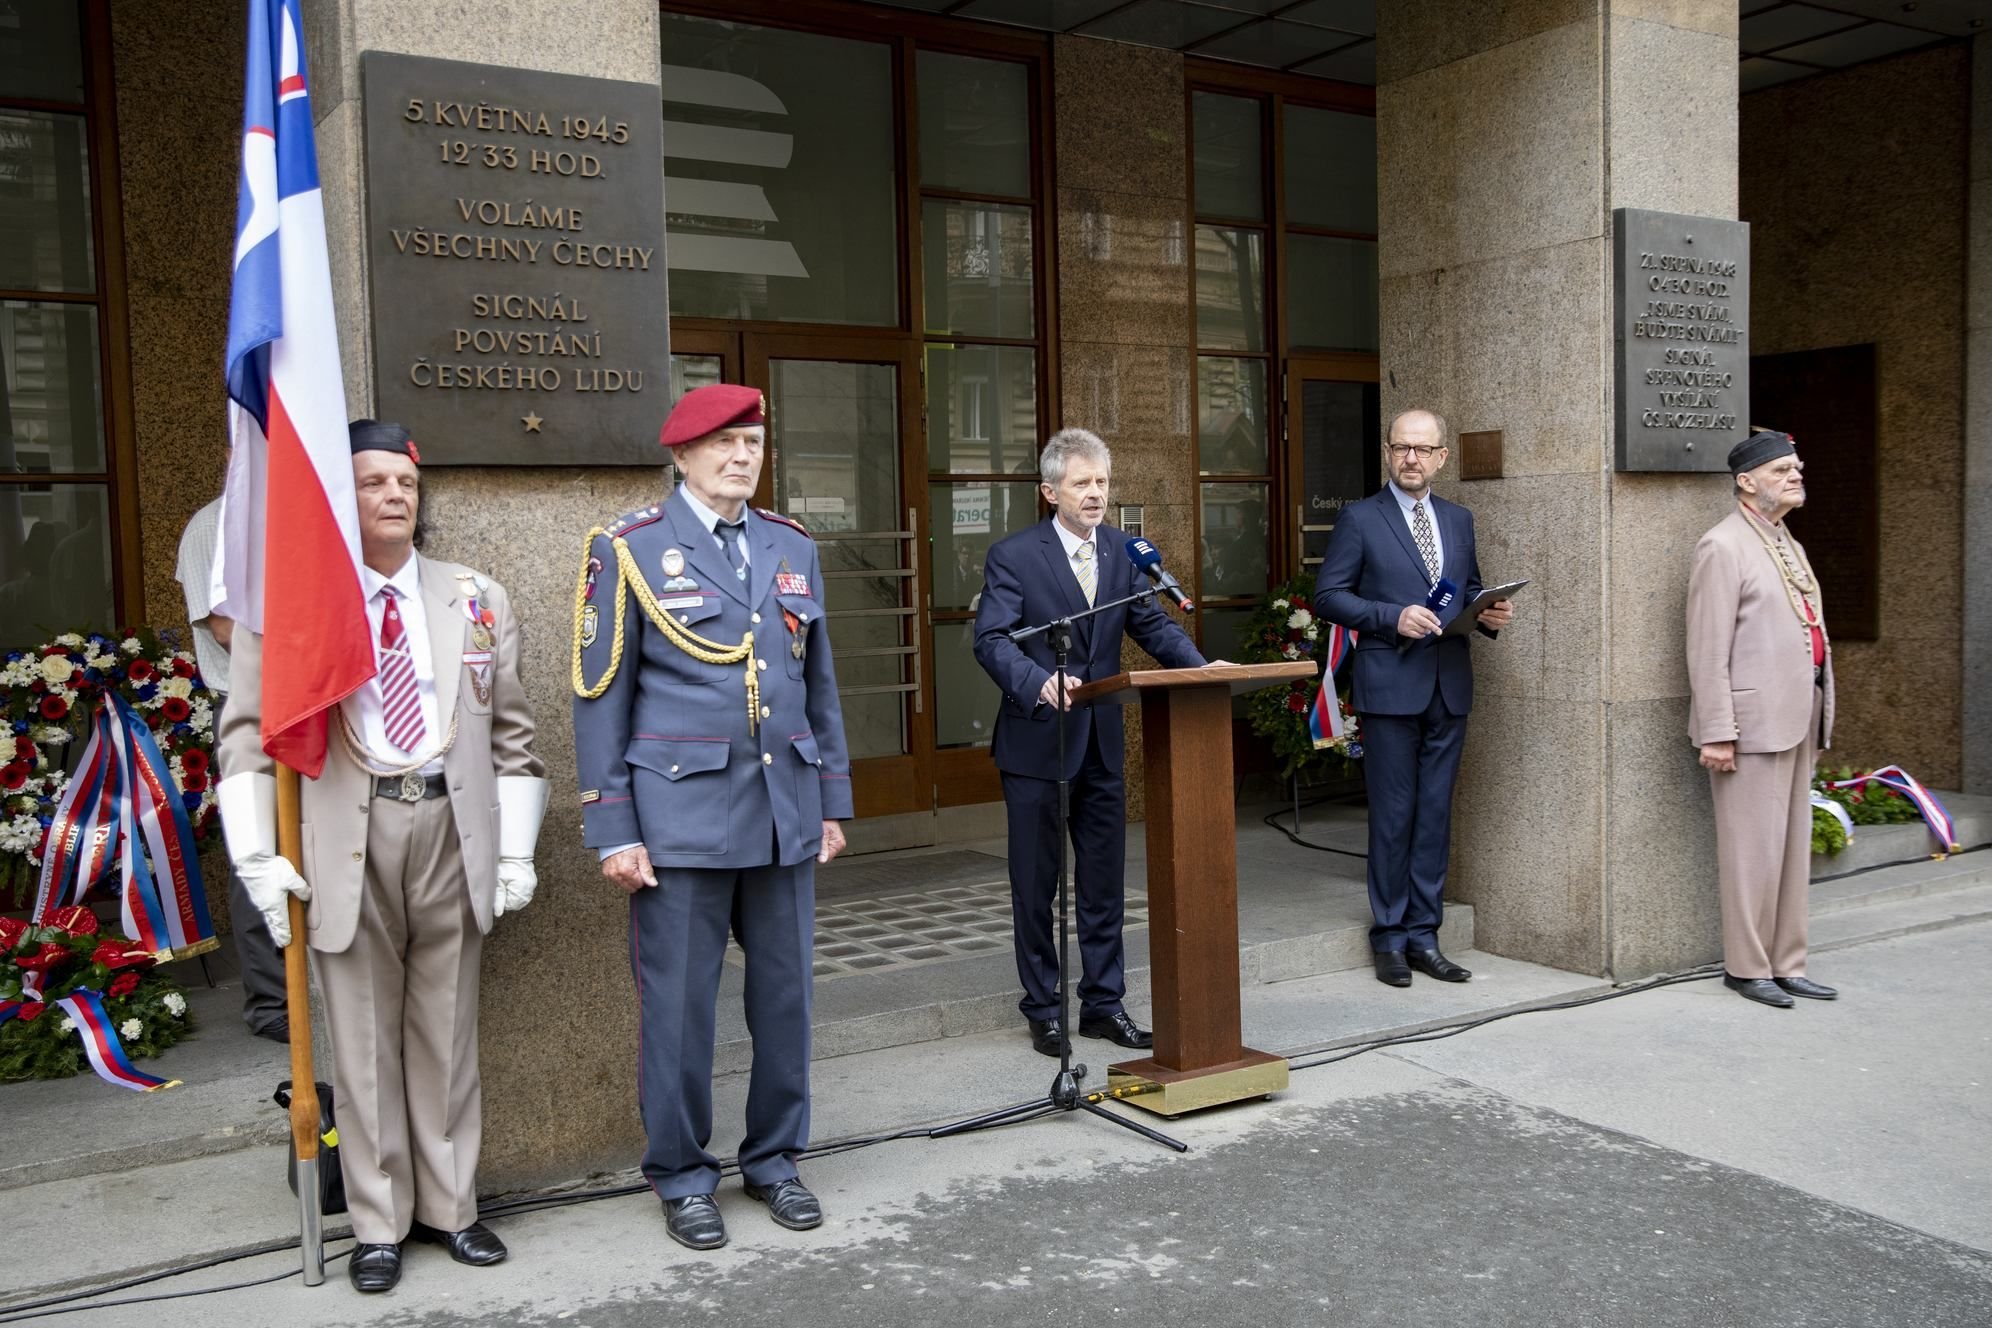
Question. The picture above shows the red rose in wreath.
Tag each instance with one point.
(13, 775)
(54, 707)
(124, 984)
(174, 710)
(32, 1010)
(76, 920)
(182, 668)
(141, 670)
(11, 932)
(194, 762)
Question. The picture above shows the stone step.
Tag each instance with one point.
(1882, 845)
(1903, 880)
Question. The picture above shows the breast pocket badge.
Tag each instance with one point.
(477, 663)
(591, 622)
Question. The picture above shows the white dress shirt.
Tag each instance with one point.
(365, 711)
(194, 570)
(1404, 502)
(1072, 543)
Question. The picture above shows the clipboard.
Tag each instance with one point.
(1469, 616)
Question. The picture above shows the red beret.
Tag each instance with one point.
(705, 410)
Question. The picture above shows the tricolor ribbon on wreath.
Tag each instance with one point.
(122, 810)
(1925, 802)
(1324, 718)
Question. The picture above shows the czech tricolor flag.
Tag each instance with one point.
(290, 546)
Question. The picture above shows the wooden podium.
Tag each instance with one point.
(1199, 1060)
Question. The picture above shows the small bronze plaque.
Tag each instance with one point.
(1480, 455)
(515, 250)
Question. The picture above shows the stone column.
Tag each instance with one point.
(1977, 689)
(1507, 133)
(1126, 342)
(558, 1011)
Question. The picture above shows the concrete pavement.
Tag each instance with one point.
(1675, 1157)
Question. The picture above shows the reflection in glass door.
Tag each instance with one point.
(1336, 439)
(835, 428)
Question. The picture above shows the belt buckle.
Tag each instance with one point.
(412, 786)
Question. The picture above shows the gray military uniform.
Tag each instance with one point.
(730, 810)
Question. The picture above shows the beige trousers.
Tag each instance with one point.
(401, 1005)
(1763, 850)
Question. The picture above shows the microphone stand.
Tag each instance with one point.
(1064, 1094)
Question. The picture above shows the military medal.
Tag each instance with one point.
(480, 636)
(590, 623)
(796, 646)
(674, 562)
(789, 582)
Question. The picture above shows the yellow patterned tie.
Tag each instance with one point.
(1086, 572)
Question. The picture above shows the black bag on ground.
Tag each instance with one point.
(331, 1181)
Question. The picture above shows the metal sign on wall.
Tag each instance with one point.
(515, 245)
(1681, 321)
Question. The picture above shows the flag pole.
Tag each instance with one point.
(304, 1081)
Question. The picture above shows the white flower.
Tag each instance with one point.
(130, 1028)
(7, 746)
(67, 1025)
(1299, 618)
(175, 1003)
(1290, 650)
(56, 668)
(1313, 632)
(180, 687)
(96, 661)
(130, 645)
(51, 736)
(70, 639)
(1281, 603)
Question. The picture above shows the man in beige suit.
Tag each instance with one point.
(1761, 672)
(417, 836)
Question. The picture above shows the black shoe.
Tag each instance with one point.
(1391, 968)
(1806, 987)
(1435, 965)
(694, 1222)
(276, 1032)
(374, 1267)
(476, 1244)
(1762, 990)
(790, 1203)
(1048, 1036)
(1118, 1029)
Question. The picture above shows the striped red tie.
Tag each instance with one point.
(401, 702)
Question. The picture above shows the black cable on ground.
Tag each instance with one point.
(1273, 819)
(67, 1303)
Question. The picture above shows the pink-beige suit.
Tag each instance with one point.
(401, 896)
(1752, 680)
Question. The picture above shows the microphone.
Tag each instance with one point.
(1441, 596)
(1147, 558)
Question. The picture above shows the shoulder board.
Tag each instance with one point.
(777, 517)
(636, 520)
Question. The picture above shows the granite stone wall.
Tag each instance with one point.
(1507, 133)
(1126, 342)
(1857, 230)
(556, 1105)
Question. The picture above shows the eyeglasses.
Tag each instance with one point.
(1400, 451)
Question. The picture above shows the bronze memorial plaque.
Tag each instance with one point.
(1681, 323)
(515, 254)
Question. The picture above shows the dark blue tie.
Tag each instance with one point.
(730, 535)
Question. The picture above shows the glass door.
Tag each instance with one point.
(1334, 444)
(841, 412)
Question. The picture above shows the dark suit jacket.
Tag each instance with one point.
(1370, 572)
(1028, 580)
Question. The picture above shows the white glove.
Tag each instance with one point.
(248, 805)
(521, 806)
(516, 882)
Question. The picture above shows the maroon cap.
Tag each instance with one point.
(706, 410)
